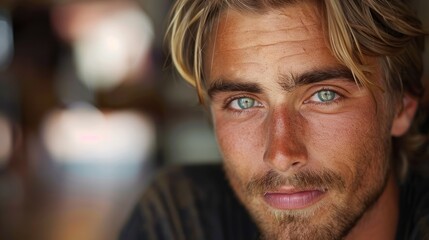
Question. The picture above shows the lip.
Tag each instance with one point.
(289, 199)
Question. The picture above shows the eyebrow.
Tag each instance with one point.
(287, 82)
(223, 85)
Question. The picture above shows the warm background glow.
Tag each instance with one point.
(89, 111)
(85, 135)
(5, 140)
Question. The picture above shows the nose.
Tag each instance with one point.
(285, 148)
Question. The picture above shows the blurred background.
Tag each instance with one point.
(89, 109)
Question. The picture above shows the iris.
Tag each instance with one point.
(245, 103)
(326, 95)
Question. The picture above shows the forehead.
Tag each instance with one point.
(243, 40)
(297, 19)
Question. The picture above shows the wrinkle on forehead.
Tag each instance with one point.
(239, 35)
(280, 36)
(266, 46)
(266, 30)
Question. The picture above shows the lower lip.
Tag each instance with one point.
(291, 201)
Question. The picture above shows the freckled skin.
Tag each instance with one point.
(290, 133)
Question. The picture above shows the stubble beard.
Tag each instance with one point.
(336, 226)
(338, 218)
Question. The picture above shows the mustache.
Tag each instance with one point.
(271, 181)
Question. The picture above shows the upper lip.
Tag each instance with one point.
(293, 190)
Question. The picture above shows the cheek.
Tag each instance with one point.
(241, 146)
(331, 132)
(349, 143)
(237, 142)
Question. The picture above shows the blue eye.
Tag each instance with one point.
(324, 96)
(243, 103)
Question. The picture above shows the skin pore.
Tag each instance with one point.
(306, 149)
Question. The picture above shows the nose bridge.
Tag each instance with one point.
(284, 140)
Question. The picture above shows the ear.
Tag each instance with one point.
(404, 117)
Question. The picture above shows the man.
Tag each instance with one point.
(313, 104)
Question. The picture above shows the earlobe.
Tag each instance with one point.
(404, 117)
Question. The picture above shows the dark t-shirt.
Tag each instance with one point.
(197, 203)
(414, 209)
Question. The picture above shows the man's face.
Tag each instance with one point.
(305, 148)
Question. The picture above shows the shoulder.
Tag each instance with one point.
(414, 207)
(186, 202)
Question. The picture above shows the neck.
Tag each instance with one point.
(380, 222)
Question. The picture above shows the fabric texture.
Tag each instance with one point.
(414, 209)
(197, 203)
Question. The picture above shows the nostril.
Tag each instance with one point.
(295, 163)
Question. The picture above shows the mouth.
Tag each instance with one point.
(293, 199)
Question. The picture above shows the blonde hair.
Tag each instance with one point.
(386, 29)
